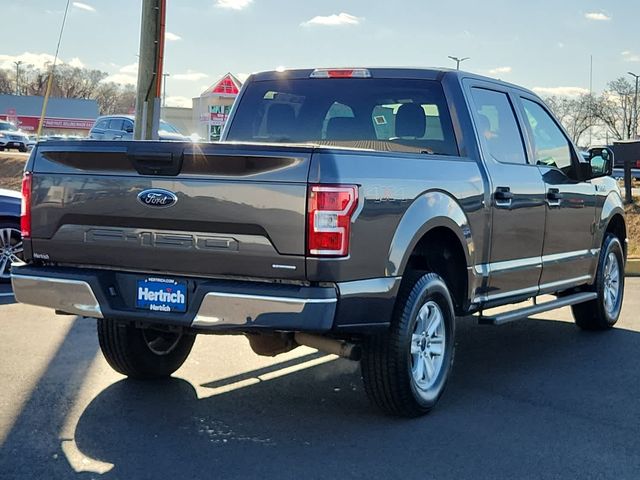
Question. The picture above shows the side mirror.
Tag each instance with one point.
(601, 161)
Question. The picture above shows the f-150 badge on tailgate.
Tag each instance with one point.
(157, 197)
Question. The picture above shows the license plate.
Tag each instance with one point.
(161, 295)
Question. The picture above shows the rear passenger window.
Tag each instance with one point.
(497, 126)
(550, 145)
(115, 124)
(102, 124)
(385, 114)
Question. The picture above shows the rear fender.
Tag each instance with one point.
(430, 210)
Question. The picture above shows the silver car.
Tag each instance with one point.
(120, 127)
(12, 137)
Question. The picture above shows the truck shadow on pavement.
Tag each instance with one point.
(534, 399)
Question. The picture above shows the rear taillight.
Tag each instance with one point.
(25, 211)
(329, 219)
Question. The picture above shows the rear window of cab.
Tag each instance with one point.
(380, 114)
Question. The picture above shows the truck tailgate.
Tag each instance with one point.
(239, 209)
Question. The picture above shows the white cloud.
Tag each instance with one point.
(628, 56)
(500, 70)
(560, 45)
(561, 91)
(75, 62)
(126, 75)
(121, 78)
(38, 60)
(190, 76)
(233, 4)
(131, 68)
(242, 76)
(597, 16)
(333, 20)
(84, 6)
(178, 101)
(172, 37)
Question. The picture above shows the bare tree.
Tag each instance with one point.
(615, 108)
(72, 82)
(577, 114)
(6, 83)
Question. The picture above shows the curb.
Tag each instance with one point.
(632, 267)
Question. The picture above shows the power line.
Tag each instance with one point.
(53, 66)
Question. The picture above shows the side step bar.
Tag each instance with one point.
(506, 317)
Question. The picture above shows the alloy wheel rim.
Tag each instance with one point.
(612, 283)
(10, 250)
(428, 343)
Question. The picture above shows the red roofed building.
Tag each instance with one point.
(211, 108)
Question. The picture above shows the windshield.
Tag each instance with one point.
(167, 127)
(7, 126)
(379, 114)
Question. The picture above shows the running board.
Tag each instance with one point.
(506, 317)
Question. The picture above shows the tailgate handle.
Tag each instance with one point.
(157, 163)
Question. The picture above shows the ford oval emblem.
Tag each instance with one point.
(157, 197)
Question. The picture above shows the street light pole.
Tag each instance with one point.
(164, 88)
(458, 61)
(17, 64)
(635, 106)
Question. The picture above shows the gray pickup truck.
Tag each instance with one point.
(357, 211)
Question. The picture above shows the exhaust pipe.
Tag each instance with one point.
(340, 348)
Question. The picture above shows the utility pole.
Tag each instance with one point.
(17, 64)
(635, 106)
(150, 64)
(164, 88)
(458, 61)
(590, 99)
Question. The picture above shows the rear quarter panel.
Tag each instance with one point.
(401, 196)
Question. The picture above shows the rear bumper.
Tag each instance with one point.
(214, 306)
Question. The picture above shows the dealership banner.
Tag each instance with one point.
(30, 124)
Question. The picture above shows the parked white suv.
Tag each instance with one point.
(12, 137)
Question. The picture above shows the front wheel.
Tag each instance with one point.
(405, 370)
(603, 312)
(142, 353)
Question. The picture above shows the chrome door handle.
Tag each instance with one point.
(503, 197)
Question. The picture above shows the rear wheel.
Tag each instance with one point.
(10, 248)
(143, 353)
(603, 312)
(406, 369)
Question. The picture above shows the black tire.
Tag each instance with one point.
(142, 353)
(23, 149)
(601, 313)
(388, 363)
(13, 254)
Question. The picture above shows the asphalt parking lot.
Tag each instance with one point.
(532, 399)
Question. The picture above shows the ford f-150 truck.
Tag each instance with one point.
(358, 211)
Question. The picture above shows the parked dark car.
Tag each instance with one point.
(121, 127)
(356, 211)
(10, 235)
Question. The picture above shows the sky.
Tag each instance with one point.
(544, 44)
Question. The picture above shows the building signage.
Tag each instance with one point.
(30, 124)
